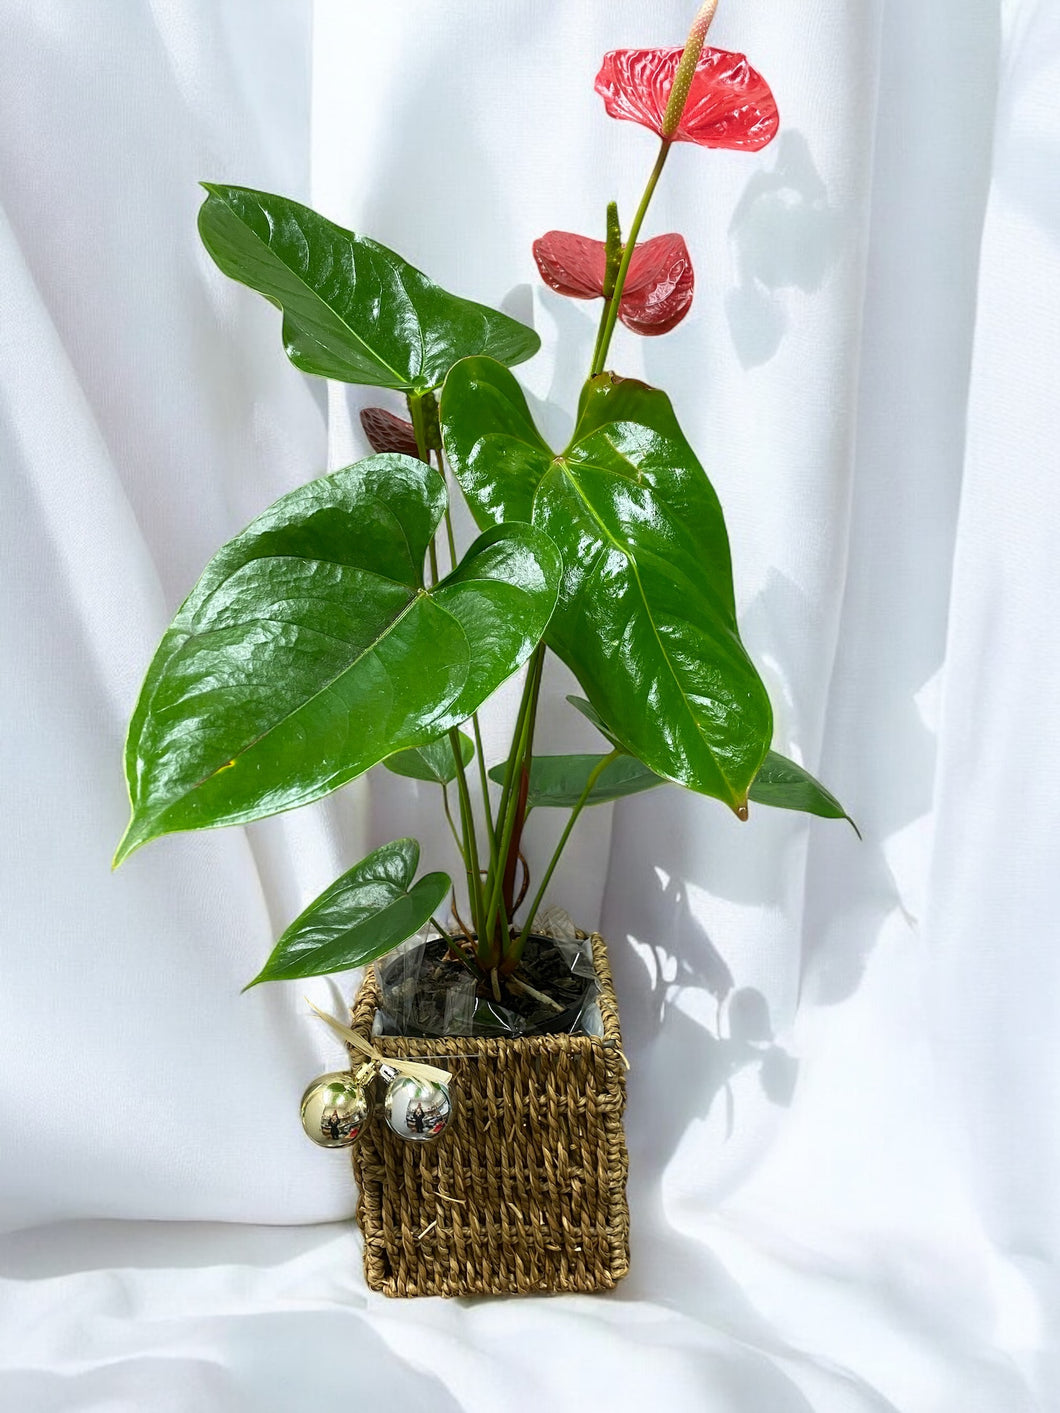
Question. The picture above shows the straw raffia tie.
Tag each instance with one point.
(413, 1068)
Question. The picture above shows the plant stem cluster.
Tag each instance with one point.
(496, 946)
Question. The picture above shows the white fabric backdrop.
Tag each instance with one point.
(843, 1103)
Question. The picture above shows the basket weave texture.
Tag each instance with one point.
(525, 1191)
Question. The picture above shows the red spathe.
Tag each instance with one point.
(729, 104)
(658, 290)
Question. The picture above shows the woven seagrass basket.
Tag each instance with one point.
(525, 1191)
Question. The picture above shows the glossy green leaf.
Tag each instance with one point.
(491, 441)
(310, 649)
(434, 762)
(785, 785)
(646, 616)
(780, 783)
(558, 781)
(364, 914)
(591, 714)
(352, 309)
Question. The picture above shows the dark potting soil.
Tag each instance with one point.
(425, 992)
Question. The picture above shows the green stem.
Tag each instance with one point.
(511, 765)
(491, 831)
(484, 782)
(452, 824)
(594, 776)
(599, 351)
(506, 812)
(423, 412)
(520, 791)
(449, 535)
(608, 326)
(456, 952)
(612, 260)
(467, 821)
(443, 934)
(515, 755)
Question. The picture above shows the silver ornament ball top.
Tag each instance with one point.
(417, 1109)
(334, 1110)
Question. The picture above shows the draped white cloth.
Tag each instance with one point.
(845, 1076)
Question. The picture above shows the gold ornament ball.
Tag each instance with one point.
(417, 1109)
(334, 1110)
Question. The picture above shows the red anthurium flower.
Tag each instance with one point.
(658, 289)
(729, 104)
(386, 432)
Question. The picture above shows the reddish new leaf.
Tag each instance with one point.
(729, 104)
(658, 290)
(387, 432)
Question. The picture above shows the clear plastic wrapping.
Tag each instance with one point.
(427, 992)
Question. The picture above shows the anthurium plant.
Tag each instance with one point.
(346, 628)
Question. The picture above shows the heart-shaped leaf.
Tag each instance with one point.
(368, 911)
(310, 649)
(352, 309)
(559, 781)
(646, 616)
(490, 439)
(434, 761)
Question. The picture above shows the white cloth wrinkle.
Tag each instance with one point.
(845, 1165)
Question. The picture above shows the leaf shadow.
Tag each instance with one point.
(663, 985)
(784, 236)
(850, 885)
